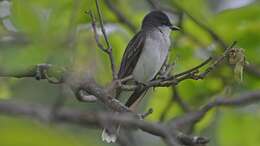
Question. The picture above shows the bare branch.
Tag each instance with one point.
(195, 68)
(39, 72)
(120, 16)
(76, 83)
(95, 31)
(253, 69)
(176, 79)
(190, 73)
(218, 61)
(107, 49)
(175, 98)
(153, 4)
(193, 117)
(102, 26)
(202, 25)
(96, 119)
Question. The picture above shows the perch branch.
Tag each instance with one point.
(96, 119)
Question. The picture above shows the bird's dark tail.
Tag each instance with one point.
(135, 97)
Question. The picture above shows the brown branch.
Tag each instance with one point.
(108, 50)
(202, 25)
(195, 68)
(156, 4)
(77, 84)
(175, 98)
(153, 4)
(38, 72)
(218, 61)
(93, 91)
(189, 74)
(96, 119)
(59, 102)
(194, 117)
(94, 27)
(192, 73)
(88, 84)
(120, 16)
(102, 26)
(253, 69)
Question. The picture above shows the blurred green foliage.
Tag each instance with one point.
(59, 32)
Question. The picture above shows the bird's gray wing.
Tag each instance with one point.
(131, 55)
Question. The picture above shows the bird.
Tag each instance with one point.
(144, 57)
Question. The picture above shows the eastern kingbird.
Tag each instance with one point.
(144, 56)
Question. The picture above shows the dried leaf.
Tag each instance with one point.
(237, 58)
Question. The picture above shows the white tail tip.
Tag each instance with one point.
(107, 137)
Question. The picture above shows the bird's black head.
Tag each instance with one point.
(156, 19)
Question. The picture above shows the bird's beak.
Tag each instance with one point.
(173, 28)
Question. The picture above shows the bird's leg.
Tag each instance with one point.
(121, 83)
(165, 71)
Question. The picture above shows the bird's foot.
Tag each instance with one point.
(145, 114)
(141, 84)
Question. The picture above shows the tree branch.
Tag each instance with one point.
(108, 49)
(120, 16)
(96, 119)
(194, 117)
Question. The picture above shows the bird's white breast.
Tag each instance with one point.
(154, 54)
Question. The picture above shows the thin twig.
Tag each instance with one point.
(195, 68)
(96, 119)
(202, 25)
(176, 79)
(177, 98)
(218, 61)
(120, 16)
(193, 117)
(107, 49)
(102, 26)
(146, 114)
(94, 27)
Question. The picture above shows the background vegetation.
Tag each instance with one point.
(59, 32)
